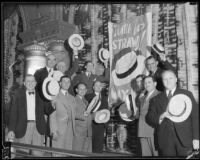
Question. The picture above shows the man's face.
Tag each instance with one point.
(61, 66)
(139, 82)
(51, 61)
(65, 83)
(81, 90)
(30, 83)
(97, 86)
(149, 84)
(151, 64)
(169, 80)
(89, 67)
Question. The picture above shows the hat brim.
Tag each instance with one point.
(173, 103)
(125, 118)
(98, 115)
(101, 54)
(122, 81)
(71, 39)
(44, 86)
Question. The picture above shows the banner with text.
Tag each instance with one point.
(128, 43)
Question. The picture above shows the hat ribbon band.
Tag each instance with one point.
(155, 48)
(125, 74)
(48, 89)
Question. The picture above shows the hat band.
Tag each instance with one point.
(155, 48)
(102, 56)
(125, 74)
(48, 89)
(181, 112)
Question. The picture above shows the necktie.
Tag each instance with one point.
(50, 70)
(31, 93)
(169, 95)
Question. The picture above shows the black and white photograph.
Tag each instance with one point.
(100, 80)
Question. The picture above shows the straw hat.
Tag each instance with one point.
(76, 42)
(50, 88)
(104, 54)
(102, 116)
(127, 65)
(179, 107)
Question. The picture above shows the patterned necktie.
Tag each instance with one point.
(169, 95)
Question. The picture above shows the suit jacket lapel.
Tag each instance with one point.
(24, 101)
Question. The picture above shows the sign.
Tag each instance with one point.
(128, 43)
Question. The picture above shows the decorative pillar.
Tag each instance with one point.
(35, 58)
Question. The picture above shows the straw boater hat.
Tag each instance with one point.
(50, 88)
(179, 108)
(157, 50)
(57, 75)
(128, 110)
(76, 42)
(127, 65)
(102, 116)
(104, 55)
(94, 105)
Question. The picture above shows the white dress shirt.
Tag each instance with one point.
(172, 91)
(30, 99)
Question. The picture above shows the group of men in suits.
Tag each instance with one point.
(160, 136)
(33, 117)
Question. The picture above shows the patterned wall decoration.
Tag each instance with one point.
(10, 34)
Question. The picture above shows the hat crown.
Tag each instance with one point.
(127, 61)
(176, 111)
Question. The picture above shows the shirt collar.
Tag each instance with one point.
(172, 91)
(48, 68)
(97, 93)
(63, 91)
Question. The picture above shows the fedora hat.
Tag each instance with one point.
(50, 88)
(94, 105)
(57, 75)
(104, 54)
(126, 66)
(76, 42)
(102, 116)
(179, 108)
(128, 110)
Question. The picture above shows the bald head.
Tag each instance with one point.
(61, 66)
(169, 79)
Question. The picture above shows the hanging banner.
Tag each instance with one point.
(128, 43)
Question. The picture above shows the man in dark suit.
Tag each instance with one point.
(27, 122)
(98, 129)
(156, 68)
(174, 139)
(43, 73)
(88, 77)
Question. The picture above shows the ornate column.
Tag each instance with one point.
(35, 58)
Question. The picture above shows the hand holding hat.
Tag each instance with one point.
(195, 144)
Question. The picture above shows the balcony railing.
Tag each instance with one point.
(66, 153)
